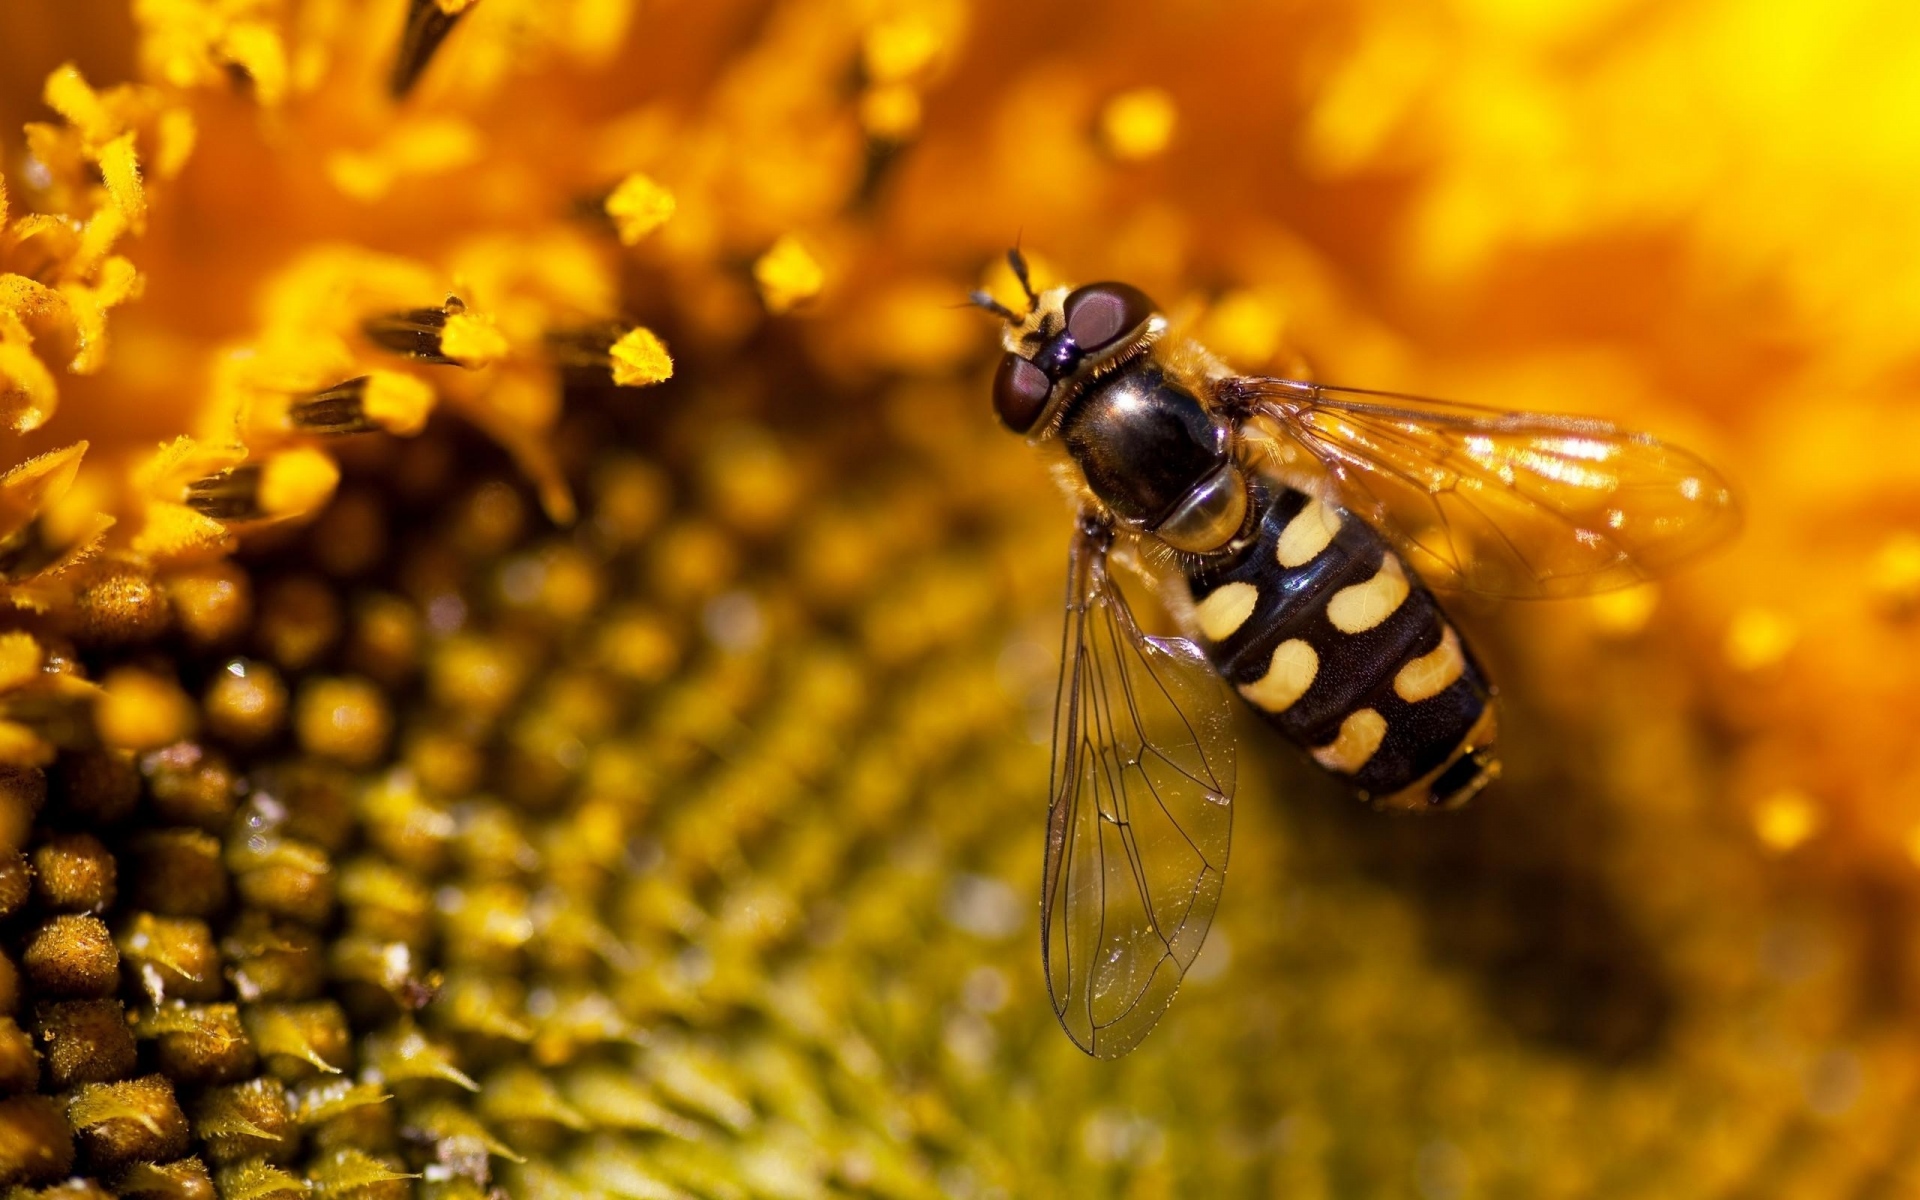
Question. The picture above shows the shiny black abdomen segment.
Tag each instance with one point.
(1356, 670)
(1143, 441)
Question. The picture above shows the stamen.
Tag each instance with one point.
(288, 484)
(428, 23)
(450, 335)
(383, 401)
(634, 357)
(416, 332)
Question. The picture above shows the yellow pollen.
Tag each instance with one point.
(638, 207)
(20, 659)
(1759, 638)
(472, 340)
(1225, 609)
(1138, 124)
(788, 275)
(257, 49)
(1311, 531)
(1360, 735)
(397, 403)
(1362, 606)
(1895, 573)
(1625, 612)
(895, 50)
(139, 710)
(890, 112)
(1785, 819)
(297, 481)
(1289, 674)
(1244, 327)
(1433, 673)
(640, 358)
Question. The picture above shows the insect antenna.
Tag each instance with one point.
(1018, 262)
(979, 299)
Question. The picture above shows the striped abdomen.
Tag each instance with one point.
(1319, 625)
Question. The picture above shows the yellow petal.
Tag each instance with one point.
(68, 93)
(27, 390)
(34, 485)
(174, 532)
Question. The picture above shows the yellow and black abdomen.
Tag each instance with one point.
(1319, 625)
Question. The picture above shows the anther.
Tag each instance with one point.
(428, 24)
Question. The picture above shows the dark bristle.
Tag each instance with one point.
(427, 26)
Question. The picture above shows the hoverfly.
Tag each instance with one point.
(1299, 526)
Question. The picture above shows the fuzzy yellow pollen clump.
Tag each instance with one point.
(638, 207)
(788, 275)
(640, 358)
(1137, 125)
(472, 340)
(297, 481)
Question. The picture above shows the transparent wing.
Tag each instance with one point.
(1141, 812)
(1506, 504)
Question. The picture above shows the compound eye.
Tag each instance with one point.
(1020, 393)
(1100, 314)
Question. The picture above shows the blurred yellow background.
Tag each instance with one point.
(809, 606)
